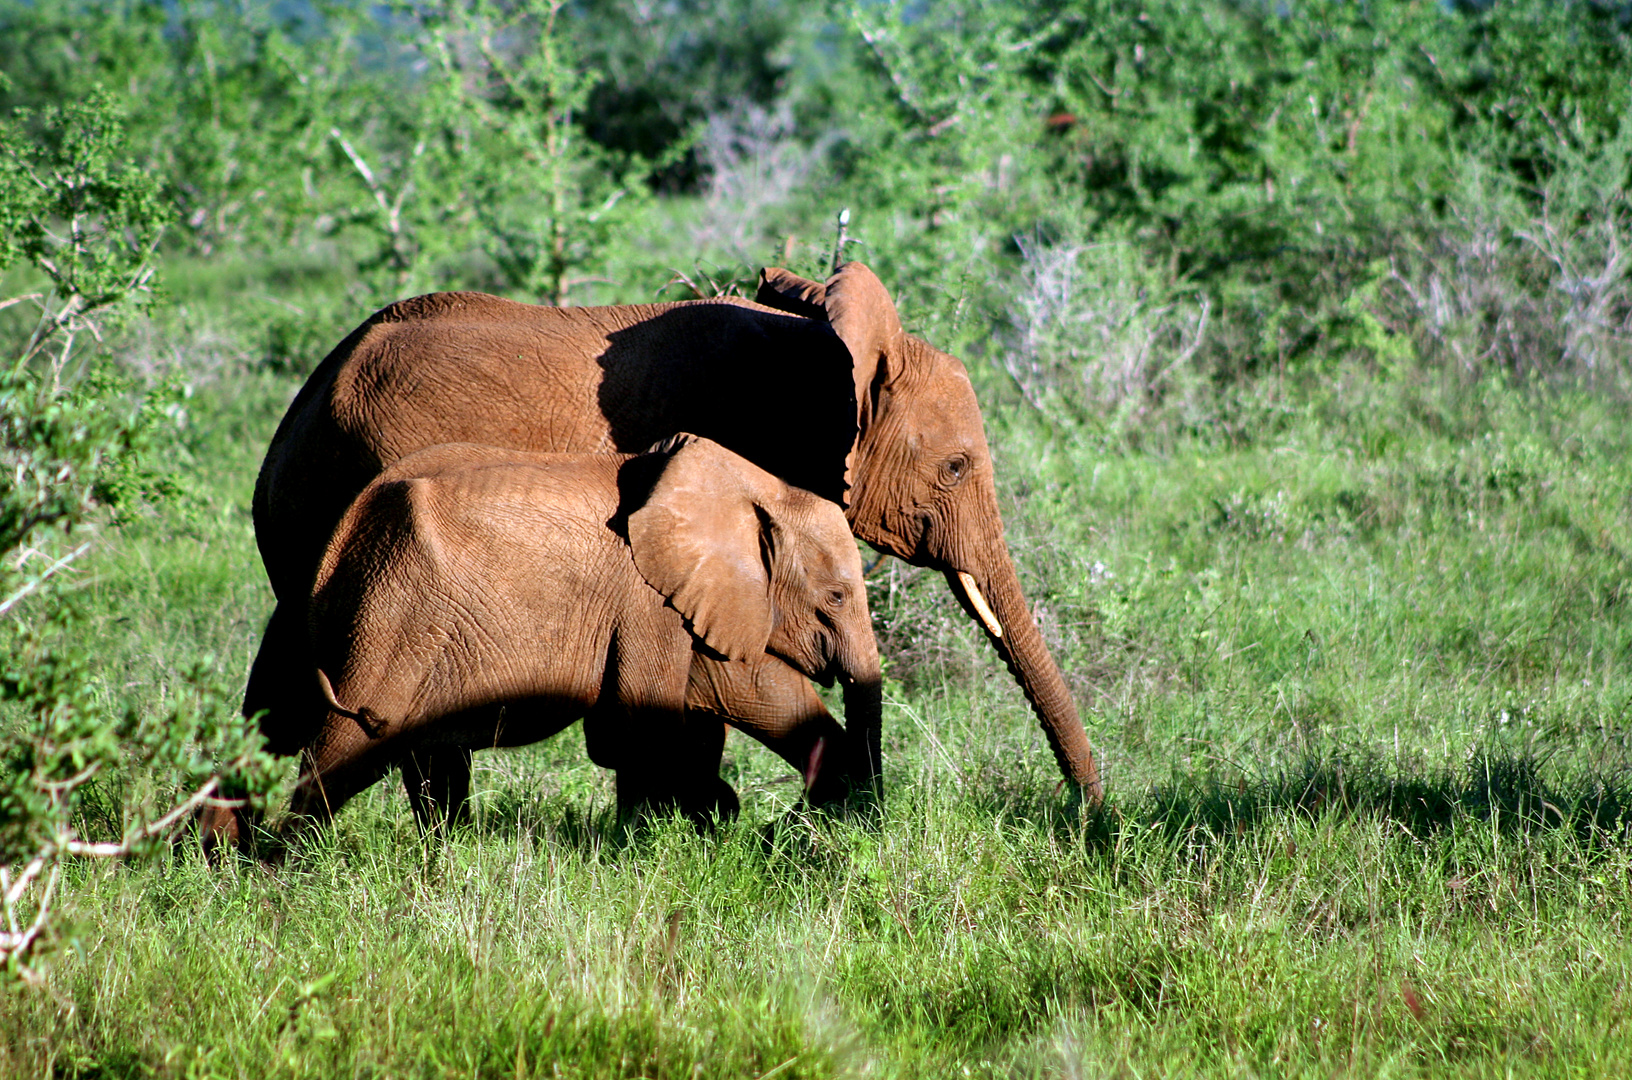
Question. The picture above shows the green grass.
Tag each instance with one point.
(1358, 673)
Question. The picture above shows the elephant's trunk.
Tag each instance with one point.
(860, 672)
(993, 597)
(864, 725)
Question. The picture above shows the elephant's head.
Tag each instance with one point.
(756, 565)
(922, 486)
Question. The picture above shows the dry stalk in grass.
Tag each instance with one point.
(1097, 330)
(1540, 298)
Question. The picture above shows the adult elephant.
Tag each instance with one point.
(815, 382)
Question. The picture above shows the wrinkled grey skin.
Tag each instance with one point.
(816, 382)
(475, 596)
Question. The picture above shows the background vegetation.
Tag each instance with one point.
(1304, 337)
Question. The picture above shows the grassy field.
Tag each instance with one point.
(1354, 653)
(1304, 338)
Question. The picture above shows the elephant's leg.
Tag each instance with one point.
(775, 705)
(282, 691)
(437, 780)
(664, 761)
(221, 828)
(699, 792)
(686, 779)
(282, 686)
(639, 727)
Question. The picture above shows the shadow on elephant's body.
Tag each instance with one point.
(753, 358)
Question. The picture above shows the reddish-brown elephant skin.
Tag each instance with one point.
(817, 383)
(474, 596)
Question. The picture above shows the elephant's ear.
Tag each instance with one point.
(701, 540)
(863, 315)
(789, 292)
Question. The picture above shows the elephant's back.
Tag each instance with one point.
(493, 570)
(468, 367)
(458, 367)
(500, 496)
(463, 366)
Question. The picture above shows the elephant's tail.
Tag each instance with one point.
(372, 723)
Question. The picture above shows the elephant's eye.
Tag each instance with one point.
(954, 469)
(836, 598)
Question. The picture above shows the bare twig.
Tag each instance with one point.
(16, 940)
(15, 890)
(18, 943)
(904, 95)
(82, 776)
(1189, 350)
(110, 850)
(39, 580)
(19, 299)
(369, 179)
(1108, 91)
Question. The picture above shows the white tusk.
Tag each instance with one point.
(978, 602)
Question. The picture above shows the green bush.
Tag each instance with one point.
(79, 445)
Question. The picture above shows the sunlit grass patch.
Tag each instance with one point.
(1361, 708)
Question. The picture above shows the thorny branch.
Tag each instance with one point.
(904, 95)
(17, 887)
(401, 250)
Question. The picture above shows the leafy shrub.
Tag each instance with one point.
(506, 101)
(77, 445)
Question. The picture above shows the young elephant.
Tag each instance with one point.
(477, 597)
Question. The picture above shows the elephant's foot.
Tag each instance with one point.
(716, 802)
(706, 803)
(220, 830)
